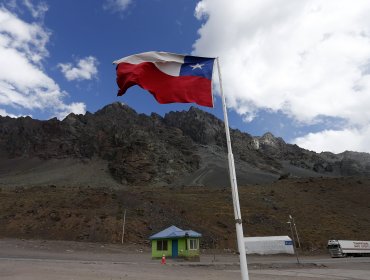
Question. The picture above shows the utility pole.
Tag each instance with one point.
(296, 232)
(294, 247)
(123, 225)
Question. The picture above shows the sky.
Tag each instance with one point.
(298, 69)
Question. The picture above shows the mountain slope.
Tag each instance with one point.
(323, 209)
(117, 147)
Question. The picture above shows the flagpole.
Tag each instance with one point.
(234, 188)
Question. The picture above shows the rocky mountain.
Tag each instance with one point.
(117, 146)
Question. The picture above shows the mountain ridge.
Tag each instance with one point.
(180, 148)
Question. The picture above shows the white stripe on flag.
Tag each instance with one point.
(169, 63)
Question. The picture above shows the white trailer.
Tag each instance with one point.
(268, 245)
(345, 248)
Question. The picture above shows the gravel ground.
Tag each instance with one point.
(57, 260)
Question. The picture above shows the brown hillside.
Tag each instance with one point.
(323, 208)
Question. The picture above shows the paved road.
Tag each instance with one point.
(34, 260)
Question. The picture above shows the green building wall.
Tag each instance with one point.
(182, 252)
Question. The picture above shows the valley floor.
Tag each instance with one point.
(57, 260)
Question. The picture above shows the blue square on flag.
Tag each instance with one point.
(197, 66)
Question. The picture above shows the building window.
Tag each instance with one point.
(193, 244)
(161, 245)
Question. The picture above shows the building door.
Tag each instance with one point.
(175, 248)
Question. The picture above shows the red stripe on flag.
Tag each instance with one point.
(165, 88)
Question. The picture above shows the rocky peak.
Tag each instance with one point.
(202, 127)
(255, 143)
(270, 140)
(116, 108)
(70, 119)
(157, 119)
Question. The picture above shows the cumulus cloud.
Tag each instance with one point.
(116, 5)
(66, 109)
(23, 82)
(337, 141)
(307, 59)
(86, 69)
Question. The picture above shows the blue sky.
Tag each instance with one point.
(109, 35)
(300, 71)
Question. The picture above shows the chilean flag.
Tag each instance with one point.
(168, 77)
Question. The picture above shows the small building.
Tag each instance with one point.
(268, 245)
(174, 242)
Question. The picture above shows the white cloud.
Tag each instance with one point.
(308, 59)
(347, 139)
(77, 108)
(5, 113)
(37, 11)
(116, 5)
(86, 69)
(23, 82)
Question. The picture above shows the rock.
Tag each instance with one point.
(155, 150)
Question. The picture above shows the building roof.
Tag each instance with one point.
(174, 232)
(267, 238)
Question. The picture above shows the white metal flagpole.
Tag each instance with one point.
(234, 188)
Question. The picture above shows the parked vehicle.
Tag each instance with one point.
(346, 248)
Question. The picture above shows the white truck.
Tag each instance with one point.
(346, 248)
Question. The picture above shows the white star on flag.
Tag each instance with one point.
(197, 66)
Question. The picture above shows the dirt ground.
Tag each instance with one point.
(61, 260)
